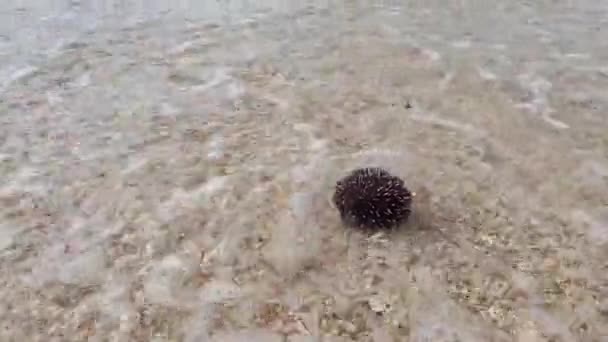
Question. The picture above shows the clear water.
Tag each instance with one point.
(166, 168)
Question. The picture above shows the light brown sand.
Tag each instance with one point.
(171, 183)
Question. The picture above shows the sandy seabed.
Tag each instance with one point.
(170, 180)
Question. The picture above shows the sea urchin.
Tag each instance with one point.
(372, 198)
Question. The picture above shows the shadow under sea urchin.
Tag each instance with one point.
(372, 198)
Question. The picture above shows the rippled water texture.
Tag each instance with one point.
(167, 169)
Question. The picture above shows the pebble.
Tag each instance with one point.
(550, 264)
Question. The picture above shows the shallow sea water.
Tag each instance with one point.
(167, 168)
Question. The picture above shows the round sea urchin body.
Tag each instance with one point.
(372, 198)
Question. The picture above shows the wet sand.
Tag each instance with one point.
(166, 173)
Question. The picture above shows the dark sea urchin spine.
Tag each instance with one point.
(372, 198)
